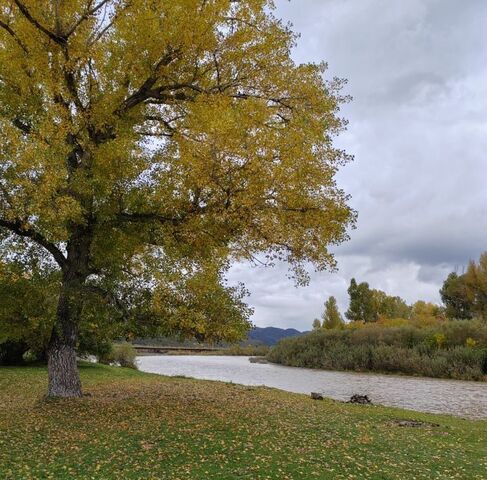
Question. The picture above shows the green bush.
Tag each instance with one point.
(123, 354)
(437, 351)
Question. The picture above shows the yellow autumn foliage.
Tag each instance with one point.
(140, 135)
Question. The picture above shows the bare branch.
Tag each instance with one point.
(166, 123)
(146, 133)
(95, 36)
(85, 16)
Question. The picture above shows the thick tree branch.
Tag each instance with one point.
(146, 93)
(14, 36)
(60, 40)
(18, 228)
(73, 91)
(146, 90)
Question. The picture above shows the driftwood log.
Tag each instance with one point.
(360, 399)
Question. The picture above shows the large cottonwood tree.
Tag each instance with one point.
(160, 136)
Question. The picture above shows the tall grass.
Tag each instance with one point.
(455, 349)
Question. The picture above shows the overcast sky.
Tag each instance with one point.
(417, 71)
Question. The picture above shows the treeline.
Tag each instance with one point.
(384, 333)
(464, 297)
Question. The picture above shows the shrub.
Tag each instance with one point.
(440, 339)
(123, 354)
(448, 349)
(246, 350)
(33, 356)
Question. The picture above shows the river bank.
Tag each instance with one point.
(454, 397)
(140, 426)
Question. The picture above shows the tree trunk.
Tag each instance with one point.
(63, 372)
(62, 369)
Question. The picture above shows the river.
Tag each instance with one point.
(454, 397)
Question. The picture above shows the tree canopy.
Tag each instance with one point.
(476, 281)
(454, 296)
(368, 305)
(465, 296)
(361, 308)
(332, 318)
(146, 143)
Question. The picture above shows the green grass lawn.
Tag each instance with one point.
(140, 426)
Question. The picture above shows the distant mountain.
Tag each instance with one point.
(270, 335)
(257, 336)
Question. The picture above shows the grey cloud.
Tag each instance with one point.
(417, 70)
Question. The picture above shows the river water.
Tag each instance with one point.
(454, 397)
